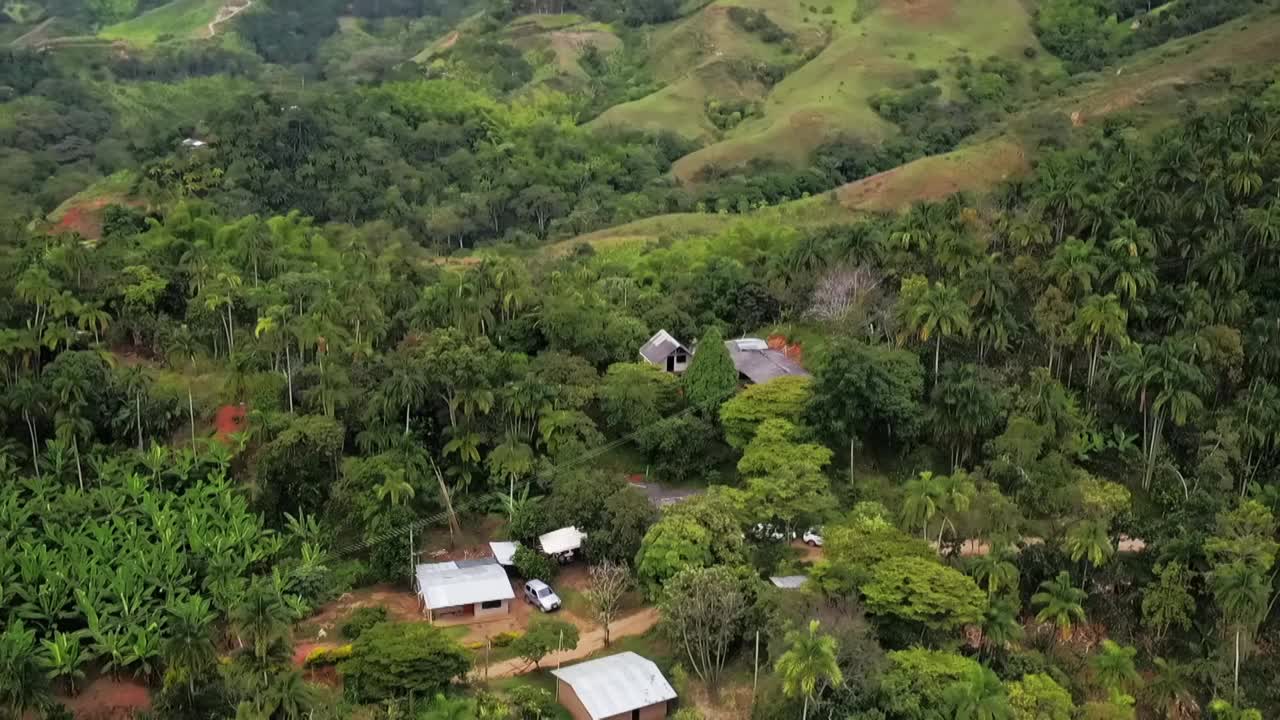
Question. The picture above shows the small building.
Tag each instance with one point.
(464, 590)
(625, 686)
(563, 543)
(789, 582)
(666, 352)
(758, 363)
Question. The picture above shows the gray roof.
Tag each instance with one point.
(660, 347)
(758, 363)
(789, 582)
(616, 684)
(450, 584)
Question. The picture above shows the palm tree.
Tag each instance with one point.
(996, 570)
(1088, 540)
(922, 498)
(28, 397)
(940, 312)
(189, 648)
(1170, 691)
(1000, 625)
(980, 696)
(1242, 592)
(395, 487)
(1061, 603)
(290, 695)
(93, 317)
(1113, 666)
(24, 686)
(444, 707)
(1100, 320)
(70, 425)
(1073, 267)
(810, 659)
(956, 494)
(263, 619)
(406, 385)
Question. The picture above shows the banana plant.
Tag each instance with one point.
(64, 659)
(143, 651)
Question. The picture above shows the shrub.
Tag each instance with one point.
(393, 659)
(533, 565)
(362, 619)
(503, 639)
(321, 657)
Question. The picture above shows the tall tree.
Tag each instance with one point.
(711, 377)
(1060, 603)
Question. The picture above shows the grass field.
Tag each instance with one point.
(177, 19)
(830, 94)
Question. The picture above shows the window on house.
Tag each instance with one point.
(491, 604)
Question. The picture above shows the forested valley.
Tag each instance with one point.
(289, 311)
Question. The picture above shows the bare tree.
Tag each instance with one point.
(609, 582)
(844, 290)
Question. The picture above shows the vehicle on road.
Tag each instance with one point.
(813, 538)
(541, 596)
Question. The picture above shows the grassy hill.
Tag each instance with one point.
(839, 55)
(1148, 88)
(180, 19)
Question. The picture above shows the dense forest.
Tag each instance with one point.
(325, 329)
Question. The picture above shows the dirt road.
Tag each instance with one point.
(226, 13)
(591, 642)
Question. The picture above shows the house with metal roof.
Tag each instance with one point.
(758, 363)
(625, 686)
(464, 590)
(666, 352)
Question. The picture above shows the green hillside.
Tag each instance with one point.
(179, 19)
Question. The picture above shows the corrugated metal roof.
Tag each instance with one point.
(562, 540)
(504, 552)
(758, 365)
(616, 684)
(659, 347)
(449, 584)
(789, 582)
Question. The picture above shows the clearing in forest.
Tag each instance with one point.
(180, 19)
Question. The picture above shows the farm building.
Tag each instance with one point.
(755, 361)
(758, 363)
(666, 352)
(625, 686)
(466, 589)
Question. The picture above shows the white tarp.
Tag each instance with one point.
(562, 540)
(504, 552)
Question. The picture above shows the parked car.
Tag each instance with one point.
(812, 538)
(541, 596)
(769, 531)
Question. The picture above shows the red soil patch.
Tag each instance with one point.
(451, 40)
(922, 12)
(230, 419)
(107, 699)
(85, 219)
(792, 351)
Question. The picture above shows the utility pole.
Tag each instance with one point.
(755, 680)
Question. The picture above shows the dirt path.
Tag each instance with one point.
(225, 13)
(591, 642)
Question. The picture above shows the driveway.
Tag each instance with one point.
(589, 643)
